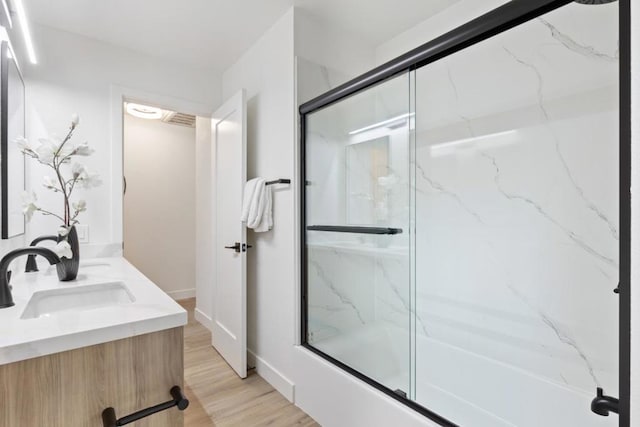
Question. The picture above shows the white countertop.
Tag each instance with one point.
(152, 310)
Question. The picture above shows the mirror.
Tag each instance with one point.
(12, 162)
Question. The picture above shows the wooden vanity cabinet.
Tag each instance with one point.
(72, 388)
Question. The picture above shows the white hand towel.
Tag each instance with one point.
(249, 189)
(265, 220)
(257, 205)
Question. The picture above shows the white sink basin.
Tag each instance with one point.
(78, 298)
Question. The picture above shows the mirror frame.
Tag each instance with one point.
(4, 143)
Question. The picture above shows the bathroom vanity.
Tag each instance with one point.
(69, 350)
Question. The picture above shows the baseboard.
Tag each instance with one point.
(203, 319)
(271, 375)
(182, 294)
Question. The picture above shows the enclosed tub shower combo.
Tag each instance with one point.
(465, 220)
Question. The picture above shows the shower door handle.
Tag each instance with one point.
(355, 229)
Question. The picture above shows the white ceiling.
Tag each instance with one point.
(213, 34)
(375, 20)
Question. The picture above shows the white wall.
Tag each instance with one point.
(635, 208)
(266, 71)
(78, 75)
(338, 54)
(160, 204)
(205, 248)
(447, 20)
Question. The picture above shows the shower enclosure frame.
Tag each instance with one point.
(488, 25)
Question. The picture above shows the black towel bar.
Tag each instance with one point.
(109, 415)
(355, 229)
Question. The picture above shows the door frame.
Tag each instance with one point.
(488, 25)
(118, 96)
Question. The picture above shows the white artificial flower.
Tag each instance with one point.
(22, 142)
(63, 230)
(80, 206)
(83, 150)
(63, 249)
(88, 179)
(75, 119)
(29, 204)
(77, 169)
(46, 150)
(54, 144)
(65, 151)
(50, 183)
(24, 145)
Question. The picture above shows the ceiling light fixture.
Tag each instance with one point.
(24, 24)
(144, 111)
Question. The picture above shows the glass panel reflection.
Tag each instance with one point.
(357, 165)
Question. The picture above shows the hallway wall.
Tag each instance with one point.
(159, 205)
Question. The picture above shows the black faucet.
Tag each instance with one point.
(6, 299)
(32, 265)
(602, 404)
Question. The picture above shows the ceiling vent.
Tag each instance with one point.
(180, 119)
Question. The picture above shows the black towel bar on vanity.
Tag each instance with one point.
(179, 400)
(278, 181)
(355, 229)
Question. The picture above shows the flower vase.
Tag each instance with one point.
(68, 268)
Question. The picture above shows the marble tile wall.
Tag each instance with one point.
(517, 201)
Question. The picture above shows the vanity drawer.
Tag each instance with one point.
(72, 388)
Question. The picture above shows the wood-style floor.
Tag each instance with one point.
(219, 398)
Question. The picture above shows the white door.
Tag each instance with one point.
(228, 134)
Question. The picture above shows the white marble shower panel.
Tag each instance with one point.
(393, 292)
(340, 293)
(516, 192)
(313, 79)
(359, 308)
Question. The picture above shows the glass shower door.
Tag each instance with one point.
(517, 224)
(357, 234)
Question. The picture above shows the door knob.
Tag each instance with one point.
(235, 247)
